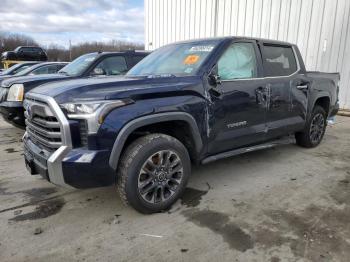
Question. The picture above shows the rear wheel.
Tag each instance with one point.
(314, 130)
(153, 172)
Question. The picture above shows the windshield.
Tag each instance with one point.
(15, 69)
(181, 59)
(79, 65)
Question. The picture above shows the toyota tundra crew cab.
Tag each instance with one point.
(188, 102)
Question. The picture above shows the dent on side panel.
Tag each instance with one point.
(207, 112)
(299, 101)
(321, 87)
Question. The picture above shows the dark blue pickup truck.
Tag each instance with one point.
(188, 102)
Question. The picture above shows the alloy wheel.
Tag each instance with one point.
(317, 128)
(160, 176)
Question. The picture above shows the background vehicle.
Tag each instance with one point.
(195, 101)
(15, 69)
(89, 65)
(25, 53)
(38, 69)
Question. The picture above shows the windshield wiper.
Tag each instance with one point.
(161, 75)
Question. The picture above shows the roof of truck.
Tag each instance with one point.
(237, 37)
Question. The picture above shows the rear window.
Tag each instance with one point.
(279, 60)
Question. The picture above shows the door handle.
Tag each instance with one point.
(302, 87)
(262, 95)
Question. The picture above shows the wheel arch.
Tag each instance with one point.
(130, 127)
(324, 101)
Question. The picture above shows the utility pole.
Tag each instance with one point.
(70, 50)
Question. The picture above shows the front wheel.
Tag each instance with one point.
(314, 130)
(153, 172)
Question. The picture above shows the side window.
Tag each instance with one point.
(23, 50)
(279, 60)
(136, 59)
(48, 69)
(40, 70)
(59, 67)
(115, 65)
(238, 61)
(53, 69)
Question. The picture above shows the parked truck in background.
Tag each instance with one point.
(25, 53)
(189, 102)
(36, 69)
(89, 65)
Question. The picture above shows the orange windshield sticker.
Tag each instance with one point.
(191, 59)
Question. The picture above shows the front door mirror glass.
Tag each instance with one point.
(98, 72)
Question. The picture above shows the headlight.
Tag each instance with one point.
(93, 112)
(89, 108)
(15, 93)
(82, 108)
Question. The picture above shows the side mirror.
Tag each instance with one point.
(98, 72)
(214, 79)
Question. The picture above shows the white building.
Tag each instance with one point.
(321, 28)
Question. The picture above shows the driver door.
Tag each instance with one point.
(238, 109)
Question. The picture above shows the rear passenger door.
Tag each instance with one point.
(281, 71)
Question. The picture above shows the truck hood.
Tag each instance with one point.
(3, 77)
(28, 80)
(109, 88)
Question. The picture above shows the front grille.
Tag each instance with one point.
(83, 132)
(43, 127)
(3, 94)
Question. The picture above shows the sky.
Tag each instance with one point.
(58, 21)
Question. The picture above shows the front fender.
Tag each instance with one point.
(152, 119)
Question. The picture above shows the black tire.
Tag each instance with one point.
(307, 138)
(156, 152)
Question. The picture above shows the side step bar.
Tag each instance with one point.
(282, 141)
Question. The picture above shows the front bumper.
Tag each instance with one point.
(13, 112)
(65, 165)
(78, 168)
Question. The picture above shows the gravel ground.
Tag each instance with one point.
(281, 204)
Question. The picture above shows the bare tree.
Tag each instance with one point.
(113, 45)
(8, 42)
(55, 52)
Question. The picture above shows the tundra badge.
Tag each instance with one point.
(237, 124)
